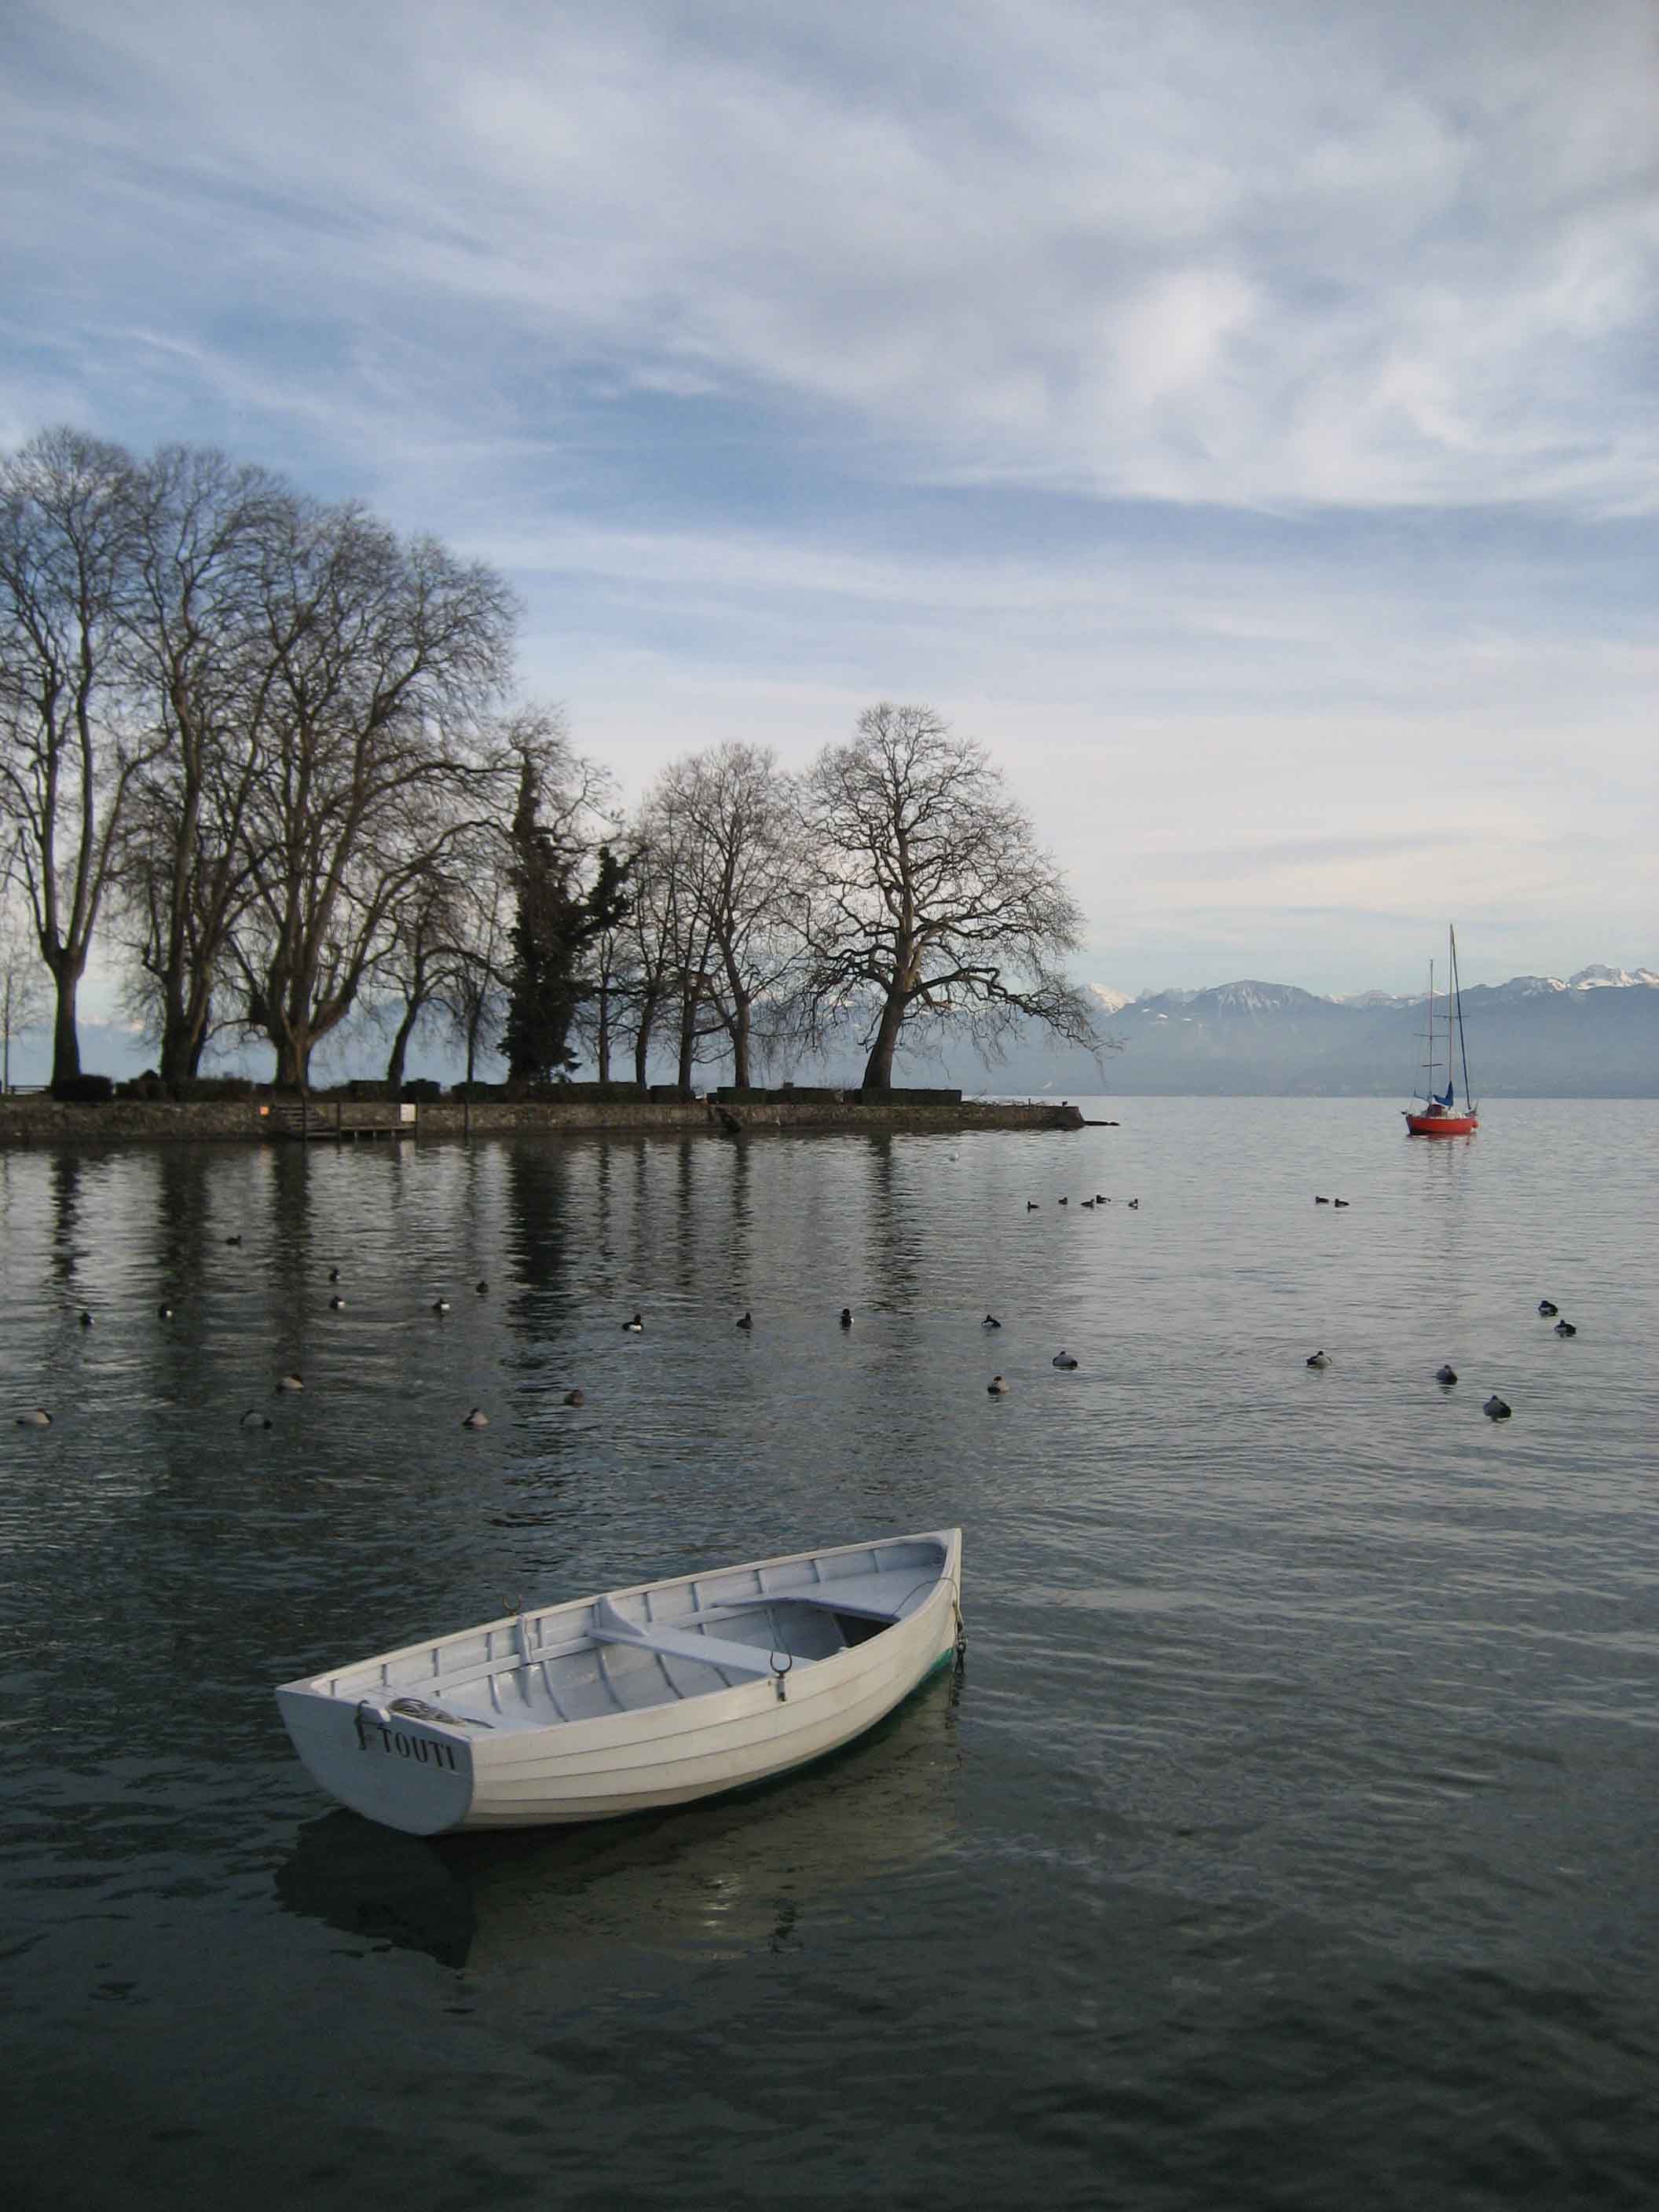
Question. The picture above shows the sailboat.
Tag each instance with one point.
(1433, 1112)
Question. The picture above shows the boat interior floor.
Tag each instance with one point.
(623, 1665)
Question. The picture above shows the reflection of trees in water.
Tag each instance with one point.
(690, 1275)
(891, 1235)
(180, 1258)
(181, 1215)
(740, 1242)
(292, 1202)
(536, 1233)
(727, 1879)
(65, 1197)
(645, 1216)
(471, 1177)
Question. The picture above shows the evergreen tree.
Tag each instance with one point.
(558, 919)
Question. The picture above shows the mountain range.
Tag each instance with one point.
(1594, 1033)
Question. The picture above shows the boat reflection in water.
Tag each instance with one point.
(720, 1880)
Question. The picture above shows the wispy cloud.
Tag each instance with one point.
(1231, 416)
(1374, 258)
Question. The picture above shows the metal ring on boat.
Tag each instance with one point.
(378, 1717)
(777, 1673)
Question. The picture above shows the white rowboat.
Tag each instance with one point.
(642, 1698)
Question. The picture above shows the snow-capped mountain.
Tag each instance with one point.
(1592, 1034)
(1248, 998)
(1598, 978)
(1252, 998)
(1529, 986)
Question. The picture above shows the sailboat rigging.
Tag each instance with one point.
(1433, 1112)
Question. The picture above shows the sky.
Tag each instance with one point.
(1239, 417)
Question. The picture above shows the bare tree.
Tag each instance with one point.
(203, 663)
(737, 869)
(931, 902)
(645, 963)
(447, 944)
(379, 760)
(475, 990)
(614, 971)
(672, 944)
(414, 971)
(23, 994)
(69, 750)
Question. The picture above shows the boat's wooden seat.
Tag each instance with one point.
(610, 1628)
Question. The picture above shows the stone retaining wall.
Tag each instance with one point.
(44, 1120)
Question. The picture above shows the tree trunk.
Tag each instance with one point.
(184, 1037)
(394, 1066)
(292, 1063)
(179, 1051)
(741, 1026)
(602, 1049)
(878, 1068)
(688, 1041)
(642, 1042)
(66, 1037)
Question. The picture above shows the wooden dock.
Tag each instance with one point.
(341, 1120)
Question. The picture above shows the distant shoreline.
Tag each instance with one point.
(42, 1119)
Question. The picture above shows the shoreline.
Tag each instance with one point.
(41, 1120)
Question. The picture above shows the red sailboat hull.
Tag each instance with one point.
(1442, 1125)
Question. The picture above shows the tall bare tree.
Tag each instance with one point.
(647, 962)
(673, 944)
(737, 869)
(614, 973)
(386, 658)
(446, 946)
(203, 662)
(70, 746)
(931, 902)
(475, 992)
(422, 928)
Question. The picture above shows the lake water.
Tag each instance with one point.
(1287, 1839)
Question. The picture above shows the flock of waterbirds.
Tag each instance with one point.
(1494, 1407)
(37, 1417)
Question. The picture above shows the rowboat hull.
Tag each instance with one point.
(1442, 1125)
(497, 1757)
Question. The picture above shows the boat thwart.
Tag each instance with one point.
(636, 1699)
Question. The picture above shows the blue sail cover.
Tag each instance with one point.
(1446, 1100)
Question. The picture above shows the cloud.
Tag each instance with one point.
(1241, 420)
(1376, 258)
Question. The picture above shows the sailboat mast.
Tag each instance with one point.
(1463, 1051)
(1428, 1065)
